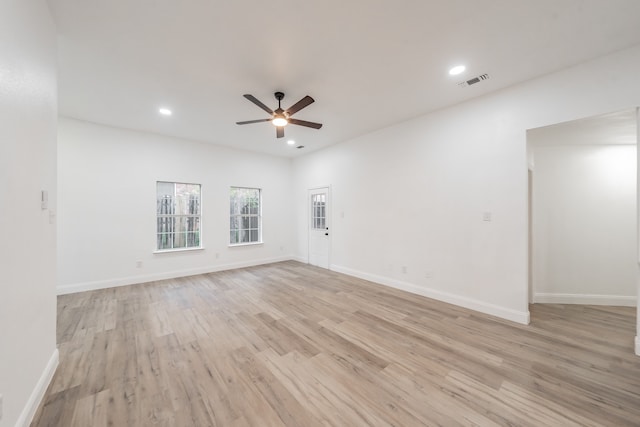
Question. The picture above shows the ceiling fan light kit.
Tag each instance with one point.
(280, 121)
(279, 117)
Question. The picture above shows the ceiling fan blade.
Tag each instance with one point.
(258, 103)
(305, 123)
(279, 131)
(299, 105)
(253, 121)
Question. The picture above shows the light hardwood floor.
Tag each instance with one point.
(287, 344)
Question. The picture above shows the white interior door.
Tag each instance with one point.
(319, 233)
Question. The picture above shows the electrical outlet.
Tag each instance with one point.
(138, 264)
(428, 275)
(217, 255)
(404, 269)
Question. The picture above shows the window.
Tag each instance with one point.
(318, 211)
(245, 216)
(178, 210)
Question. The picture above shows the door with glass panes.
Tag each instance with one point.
(319, 233)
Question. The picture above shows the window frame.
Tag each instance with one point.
(233, 216)
(178, 217)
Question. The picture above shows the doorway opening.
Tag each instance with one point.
(583, 216)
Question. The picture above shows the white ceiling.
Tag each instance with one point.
(367, 63)
(617, 128)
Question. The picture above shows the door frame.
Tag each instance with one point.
(329, 220)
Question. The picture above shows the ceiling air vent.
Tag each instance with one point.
(474, 80)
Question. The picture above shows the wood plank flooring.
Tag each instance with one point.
(287, 344)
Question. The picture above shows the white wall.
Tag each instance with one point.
(107, 184)
(584, 224)
(28, 108)
(414, 194)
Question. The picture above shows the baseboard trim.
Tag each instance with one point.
(143, 278)
(521, 317)
(585, 299)
(38, 392)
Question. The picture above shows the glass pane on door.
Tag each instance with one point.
(318, 211)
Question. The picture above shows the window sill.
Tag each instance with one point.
(235, 245)
(164, 251)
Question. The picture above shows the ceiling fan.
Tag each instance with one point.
(280, 118)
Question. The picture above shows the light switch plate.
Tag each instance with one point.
(44, 199)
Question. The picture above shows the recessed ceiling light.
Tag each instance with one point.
(291, 142)
(458, 69)
(165, 111)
